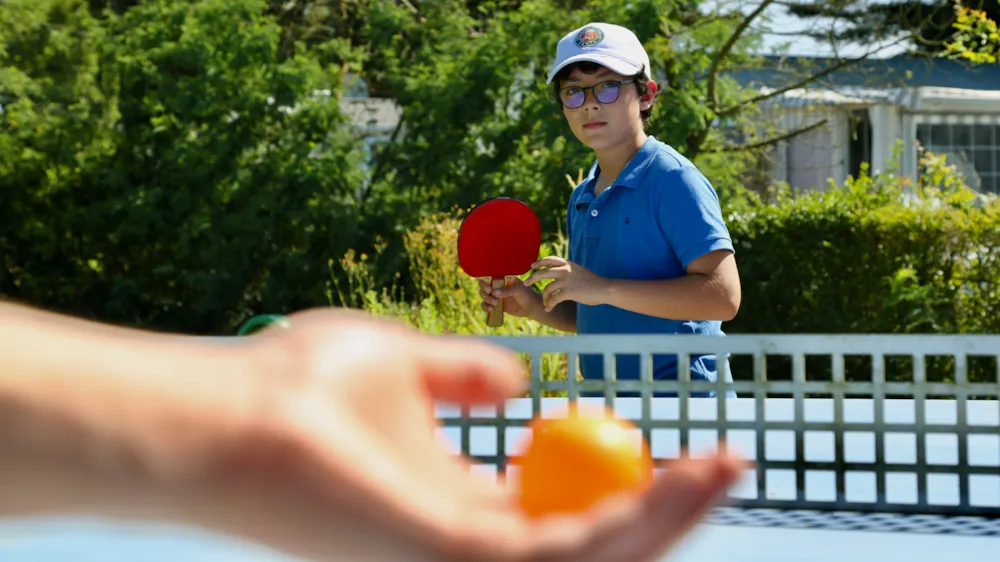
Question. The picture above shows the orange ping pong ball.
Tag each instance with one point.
(572, 463)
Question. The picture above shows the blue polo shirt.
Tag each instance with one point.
(660, 214)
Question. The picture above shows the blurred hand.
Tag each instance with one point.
(319, 439)
(354, 398)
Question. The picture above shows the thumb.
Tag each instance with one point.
(517, 290)
(468, 372)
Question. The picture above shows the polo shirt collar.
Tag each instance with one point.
(635, 170)
(631, 177)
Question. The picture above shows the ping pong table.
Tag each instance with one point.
(892, 460)
(863, 465)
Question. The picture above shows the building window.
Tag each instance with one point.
(859, 141)
(974, 148)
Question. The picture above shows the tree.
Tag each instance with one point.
(479, 120)
(977, 38)
(168, 167)
(929, 24)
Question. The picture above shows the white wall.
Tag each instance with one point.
(811, 159)
(887, 130)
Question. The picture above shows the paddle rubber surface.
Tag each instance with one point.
(499, 237)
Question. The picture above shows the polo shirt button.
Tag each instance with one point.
(593, 213)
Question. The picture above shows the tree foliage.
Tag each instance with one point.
(976, 38)
(183, 164)
(168, 167)
(928, 25)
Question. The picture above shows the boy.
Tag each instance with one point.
(649, 252)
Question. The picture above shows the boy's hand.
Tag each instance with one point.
(518, 300)
(570, 282)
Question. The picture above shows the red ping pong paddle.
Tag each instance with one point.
(499, 240)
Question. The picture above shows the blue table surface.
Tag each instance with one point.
(83, 540)
(58, 540)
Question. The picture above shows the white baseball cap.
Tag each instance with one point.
(612, 46)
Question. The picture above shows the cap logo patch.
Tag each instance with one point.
(589, 36)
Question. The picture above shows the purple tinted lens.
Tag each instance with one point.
(607, 93)
(575, 99)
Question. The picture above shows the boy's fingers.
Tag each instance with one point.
(557, 285)
(550, 261)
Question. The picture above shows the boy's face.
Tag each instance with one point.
(603, 125)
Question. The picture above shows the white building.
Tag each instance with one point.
(869, 107)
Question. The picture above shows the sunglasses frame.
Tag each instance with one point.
(593, 89)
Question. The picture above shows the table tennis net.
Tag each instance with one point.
(902, 427)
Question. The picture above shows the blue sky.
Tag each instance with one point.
(789, 40)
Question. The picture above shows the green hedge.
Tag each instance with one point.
(857, 259)
(875, 255)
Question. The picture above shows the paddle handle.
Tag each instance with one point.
(494, 318)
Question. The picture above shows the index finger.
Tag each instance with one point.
(541, 274)
(549, 261)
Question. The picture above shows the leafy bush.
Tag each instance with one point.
(447, 300)
(874, 255)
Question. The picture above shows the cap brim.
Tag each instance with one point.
(614, 63)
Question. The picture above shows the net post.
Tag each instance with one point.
(610, 377)
(536, 383)
(465, 430)
(962, 426)
(721, 393)
(839, 386)
(798, 382)
(760, 395)
(646, 380)
(878, 398)
(572, 387)
(920, 419)
(501, 424)
(683, 396)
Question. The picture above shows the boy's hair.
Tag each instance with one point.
(587, 67)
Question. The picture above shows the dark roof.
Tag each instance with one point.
(895, 72)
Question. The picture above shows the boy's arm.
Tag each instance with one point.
(710, 291)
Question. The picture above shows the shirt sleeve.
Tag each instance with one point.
(569, 229)
(691, 216)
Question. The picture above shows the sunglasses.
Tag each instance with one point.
(605, 92)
